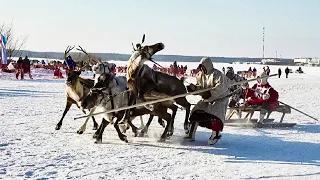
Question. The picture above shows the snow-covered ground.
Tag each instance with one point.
(30, 147)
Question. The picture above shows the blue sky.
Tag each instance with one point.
(230, 28)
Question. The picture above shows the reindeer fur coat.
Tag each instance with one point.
(220, 89)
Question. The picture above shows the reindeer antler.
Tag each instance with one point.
(138, 45)
(143, 38)
(133, 47)
(68, 49)
(83, 50)
(90, 59)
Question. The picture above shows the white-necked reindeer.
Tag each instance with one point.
(104, 68)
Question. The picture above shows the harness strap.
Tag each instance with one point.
(112, 103)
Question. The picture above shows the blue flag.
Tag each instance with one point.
(3, 42)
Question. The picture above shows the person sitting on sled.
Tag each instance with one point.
(209, 112)
(262, 94)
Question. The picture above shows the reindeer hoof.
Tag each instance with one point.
(124, 138)
(98, 141)
(186, 131)
(162, 123)
(95, 136)
(186, 128)
(80, 132)
(141, 134)
(162, 139)
(58, 127)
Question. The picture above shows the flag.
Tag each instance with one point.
(3, 42)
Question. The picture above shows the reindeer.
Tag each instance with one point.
(108, 95)
(142, 79)
(76, 90)
(99, 68)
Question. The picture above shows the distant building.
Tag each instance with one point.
(270, 61)
(301, 60)
(307, 61)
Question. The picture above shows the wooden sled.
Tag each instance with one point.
(264, 125)
(248, 122)
(243, 121)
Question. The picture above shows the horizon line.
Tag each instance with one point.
(167, 55)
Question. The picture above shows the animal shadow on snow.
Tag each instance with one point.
(249, 148)
(308, 128)
(23, 92)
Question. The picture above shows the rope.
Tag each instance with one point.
(167, 99)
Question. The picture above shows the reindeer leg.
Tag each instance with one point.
(145, 129)
(134, 128)
(66, 109)
(168, 118)
(84, 125)
(103, 125)
(95, 124)
(121, 136)
(184, 103)
(161, 122)
(95, 135)
(174, 112)
(141, 123)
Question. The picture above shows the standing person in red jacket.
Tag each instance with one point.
(262, 94)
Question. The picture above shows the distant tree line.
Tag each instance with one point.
(125, 57)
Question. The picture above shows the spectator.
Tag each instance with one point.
(287, 72)
(254, 72)
(69, 62)
(20, 68)
(26, 67)
(279, 72)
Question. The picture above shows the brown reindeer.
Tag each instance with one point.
(142, 79)
(76, 90)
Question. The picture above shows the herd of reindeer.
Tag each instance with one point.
(141, 84)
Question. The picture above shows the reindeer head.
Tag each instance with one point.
(72, 77)
(100, 68)
(98, 93)
(146, 52)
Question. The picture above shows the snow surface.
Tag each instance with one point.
(30, 147)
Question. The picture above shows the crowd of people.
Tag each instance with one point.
(23, 67)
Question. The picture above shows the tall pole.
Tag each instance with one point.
(263, 45)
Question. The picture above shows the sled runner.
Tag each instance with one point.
(248, 122)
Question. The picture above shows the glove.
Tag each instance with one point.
(265, 96)
(256, 92)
